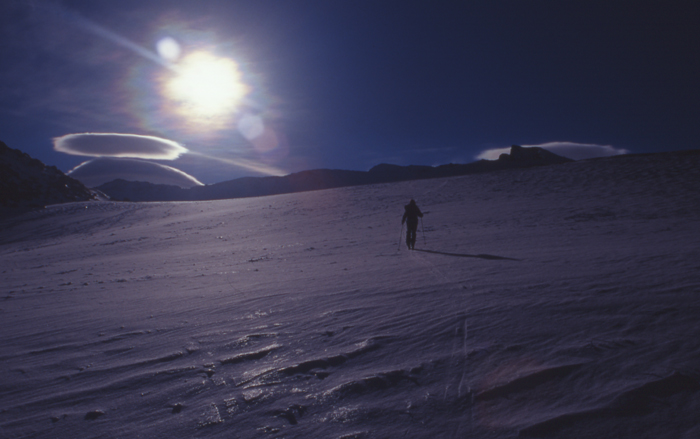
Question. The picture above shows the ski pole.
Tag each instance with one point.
(423, 230)
(400, 235)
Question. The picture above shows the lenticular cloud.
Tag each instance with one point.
(118, 145)
(105, 169)
(572, 150)
(580, 151)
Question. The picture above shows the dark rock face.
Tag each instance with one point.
(123, 190)
(27, 183)
(533, 156)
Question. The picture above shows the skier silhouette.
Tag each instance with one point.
(410, 217)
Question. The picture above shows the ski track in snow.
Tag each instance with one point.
(554, 302)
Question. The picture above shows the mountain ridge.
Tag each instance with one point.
(317, 179)
(27, 183)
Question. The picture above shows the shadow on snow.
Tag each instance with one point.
(462, 255)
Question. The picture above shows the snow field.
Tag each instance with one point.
(555, 302)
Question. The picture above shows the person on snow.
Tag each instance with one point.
(410, 217)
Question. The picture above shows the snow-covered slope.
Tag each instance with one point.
(559, 301)
(28, 183)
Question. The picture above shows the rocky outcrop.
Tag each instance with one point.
(27, 183)
(533, 156)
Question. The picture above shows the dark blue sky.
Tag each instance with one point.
(350, 84)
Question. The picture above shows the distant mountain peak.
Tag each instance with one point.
(532, 155)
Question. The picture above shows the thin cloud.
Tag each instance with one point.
(249, 165)
(118, 145)
(102, 170)
(572, 150)
(492, 154)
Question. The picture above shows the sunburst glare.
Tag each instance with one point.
(205, 86)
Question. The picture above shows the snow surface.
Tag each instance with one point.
(560, 301)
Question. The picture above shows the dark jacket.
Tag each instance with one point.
(411, 214)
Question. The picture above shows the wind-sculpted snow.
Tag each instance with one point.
(552, 302)
(647, 399)
(531, 379)
(249, 356)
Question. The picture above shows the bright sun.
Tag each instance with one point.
(206, 86)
